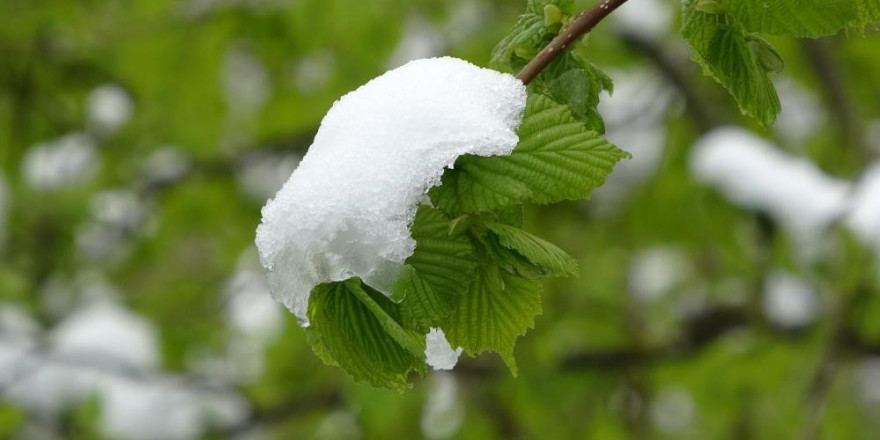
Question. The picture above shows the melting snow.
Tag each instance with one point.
(347, 208)
(438, 352)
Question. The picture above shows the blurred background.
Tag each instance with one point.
(729, 285)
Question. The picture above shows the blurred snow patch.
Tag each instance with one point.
(656, 271)
(754, 174)
(864, 215)
(17, 323)
(261, 175)
(870, 380)
(438, 352)
(250, 309)
(332, 221)
(443, 412)
(420, 39)
(789, 302)
(66, 161)
(245, 81)
(109, 108)
(466, 18)
(634, 118)
(339, 425)
(672, 410)
(648, 18)
(312, 72)
(165, 165)
(105, 332)
(801, 115)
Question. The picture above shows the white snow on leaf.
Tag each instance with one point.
(754, 174)
(443, 413)
(438, 352)
(789, 301)
(347, 208)
(109, 108)
(69, 160)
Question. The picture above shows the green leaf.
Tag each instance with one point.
(557, 159)
(422, 307)
(446, 263)
(577, 83)
(543, 255)
(496, 310)
(354, 327)
(530, 34)
(802, 18)
(724, 50)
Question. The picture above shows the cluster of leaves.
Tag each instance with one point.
(726, 40)
(474, 273)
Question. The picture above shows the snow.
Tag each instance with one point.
(656, 271)
(754, 174)
(802, 114)
(869, 385)
(245, 81)
(420, 39)
(107, 332)
(313, 71)
(347, 208)
(262, 174)
(69, 160)
(673, 410)
(651, 19)
(443, 413)
(789, 302)
(109, 108)
(438, 352)
(864, 215)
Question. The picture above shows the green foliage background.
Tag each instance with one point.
(597, 361)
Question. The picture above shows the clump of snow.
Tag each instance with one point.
(109, 108)
(443, 412)
(754, 174)
(347, 208)
(789, 302)
(69, 160)
(650, 18)
(438, 352)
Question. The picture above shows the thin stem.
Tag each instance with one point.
(583, 23)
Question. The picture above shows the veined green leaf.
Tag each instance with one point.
(496, 310)
(577, 83)
(557, 159)
(724, 50)
(422, 307)
(802, 18)
(447, 263)
(353, 327)
(541, 254)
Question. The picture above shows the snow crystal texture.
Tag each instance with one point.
(439, 354)
(347, 208)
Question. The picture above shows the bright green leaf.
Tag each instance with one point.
(446, 263)
(802, 18)
(353, 327)
(551, 260)
(496, 310)
(721, 46)
(422, 307)
(557, 159)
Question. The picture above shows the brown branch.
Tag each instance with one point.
(583, 23)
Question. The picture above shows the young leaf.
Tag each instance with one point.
(801, 18)
(543, 255)
(532, 31)
(557, 159)
(422, 307)
(496, 310)
(577, 83)
(447, 263)
(353, 327)
(726, 53)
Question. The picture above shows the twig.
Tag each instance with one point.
(582, 24)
